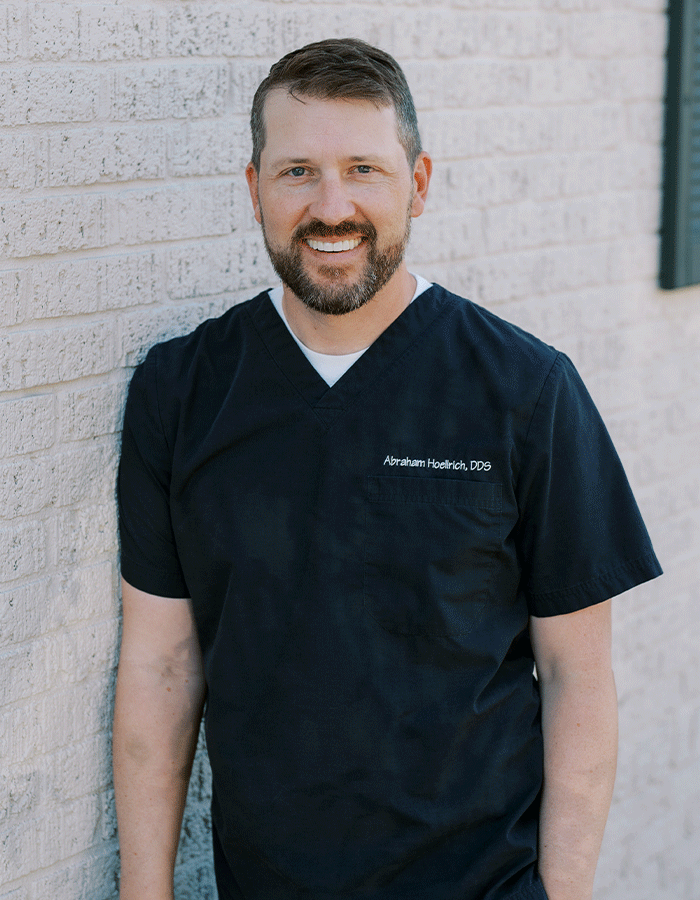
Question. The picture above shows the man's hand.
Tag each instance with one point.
(159, 701)
(579, 724)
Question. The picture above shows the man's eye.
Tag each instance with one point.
(364, 170)
(297, 171)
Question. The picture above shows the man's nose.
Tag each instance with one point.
(332, 203)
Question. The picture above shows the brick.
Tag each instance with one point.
(46, 225)
(92, 32)
(78, 286)
(195, 881)
(71, 831)
(57, 718)
(27, 424)
(449, 237)
(87, 650)
(527, 225)
(58, 602)
(244, 81)
(10, 32)
(485, 83)
(474, 133)
(435, 30)
(23, 551)
(25, 671)
(214, 267)
(638, 78)
(21, 611)
(551, 176)
(91, 412)
(176, 213)
(633, 259)
(20, 848)
(559, 318)
(29, 485)
(18, 163)
(83, 593)
(532, 273)
(571, 5)
(20, 893)
(678, 539)
(207, 30)
(565, 81)
(98, 155)
(519, 35)
(587, 173)
(139, 331)
(19, 791)
(85, 473)
(635, 167)
(161, 92)
(644, 122)
(94, 875)
(48, 94)
(110, 32)
(28, 359)
(108, 818)
(595, 127)
(616, 33)
(53, 32)
(14, 291)
(661, 421)
(87, 533)
(26, 487)
(293, 25)
(209, 148)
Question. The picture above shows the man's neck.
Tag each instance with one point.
(355, 330)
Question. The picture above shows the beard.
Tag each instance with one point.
(336, 297)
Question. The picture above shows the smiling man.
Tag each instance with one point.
(355, 512)
(334, 191)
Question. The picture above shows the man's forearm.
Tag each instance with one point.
(156, 722)
(579, 723)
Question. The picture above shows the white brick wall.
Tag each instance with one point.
(124, 219)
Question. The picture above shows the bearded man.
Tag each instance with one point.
(356, 512)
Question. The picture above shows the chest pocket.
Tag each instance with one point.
(430, 549)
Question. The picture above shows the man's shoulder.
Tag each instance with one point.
(494, 339)
(211, 338)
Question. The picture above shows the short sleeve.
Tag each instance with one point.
(581, 538)
(149, 558)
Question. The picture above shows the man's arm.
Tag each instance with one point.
(158, 708)
(579, 724)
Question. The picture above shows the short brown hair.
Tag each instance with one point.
(337, 69)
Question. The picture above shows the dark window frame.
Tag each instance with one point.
(680, 215)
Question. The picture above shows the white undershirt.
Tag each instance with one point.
(329, 366)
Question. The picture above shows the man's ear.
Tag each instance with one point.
(421, 181)
(252, 179)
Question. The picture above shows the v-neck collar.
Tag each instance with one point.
(327, 402)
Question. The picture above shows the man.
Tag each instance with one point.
(355, 511)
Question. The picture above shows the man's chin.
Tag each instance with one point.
(335, 301)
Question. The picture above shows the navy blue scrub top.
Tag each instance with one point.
(362, 561)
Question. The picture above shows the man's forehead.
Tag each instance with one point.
(300, 119)
(281, 102)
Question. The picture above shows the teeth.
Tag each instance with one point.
(335, 247)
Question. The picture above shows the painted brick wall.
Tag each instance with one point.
(124, 219)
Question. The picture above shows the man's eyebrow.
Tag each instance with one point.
(305, 160)
(367, 157)
(289, 161)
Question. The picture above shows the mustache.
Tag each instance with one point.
(318, 229)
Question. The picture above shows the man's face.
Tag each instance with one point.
(334, 195)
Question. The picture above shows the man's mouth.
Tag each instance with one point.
(333, 246)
